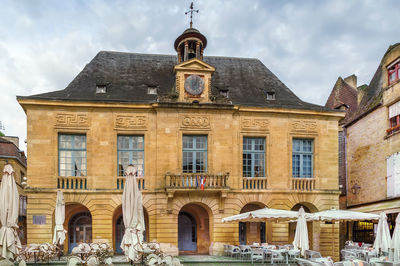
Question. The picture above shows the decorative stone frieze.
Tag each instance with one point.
(254, 124)
(72, 120)
(304, 126)
(131, 122)
(195, 122)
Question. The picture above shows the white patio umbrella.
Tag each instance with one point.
(59, 231)
(301, 235)
(333, 215)
(132, 210)
(264, 214)
(10, 245)
(396, 240)
(382, 239)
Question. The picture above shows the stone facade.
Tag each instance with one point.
(245, 101)
(369, 144)
(163, 128)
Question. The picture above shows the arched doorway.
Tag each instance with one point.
(250, 232)
(79, 229)
(187, 232)
(119, 228)
(194, 229)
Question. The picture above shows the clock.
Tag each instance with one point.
(194, 85)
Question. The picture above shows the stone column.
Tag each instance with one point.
(185, 55)
(198, 50)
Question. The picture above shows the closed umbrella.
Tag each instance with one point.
(382, 239)
(59, 231)
(301, 235)
(396, 240)
(132, 210)
(10, 245)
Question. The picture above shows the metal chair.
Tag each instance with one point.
(234, 250)
(245, 251)
(278, 258)
(348, 255)
(311, 254)
(257, 254)
(293, 255)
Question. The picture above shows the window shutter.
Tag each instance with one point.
(396, 175)
(394, 109)
(389, 175)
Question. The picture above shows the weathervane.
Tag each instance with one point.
(191, 13)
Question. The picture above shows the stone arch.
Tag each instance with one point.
(117, 226)
(78, 216)
(250, 232)
(201, 216)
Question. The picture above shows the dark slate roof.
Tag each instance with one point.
(128, 75)
(343, 94)
(372, 97)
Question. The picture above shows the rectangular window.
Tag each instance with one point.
(394, 118)
(72, 155)
(253, 157)
(394, 73)
(393, 175)
(194, 154)
(302, 158)
(131, 151)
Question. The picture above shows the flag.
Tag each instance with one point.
(203, 182)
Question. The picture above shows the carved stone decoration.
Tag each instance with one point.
(254, 124)
(304, 126)
(195, 122)
(72, 120)
(131, 122)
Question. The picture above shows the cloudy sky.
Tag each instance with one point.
(307, 44)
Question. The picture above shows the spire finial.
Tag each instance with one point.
(191, 13)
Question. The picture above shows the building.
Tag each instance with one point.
(183, 120)
(373, 146)
(11, 154)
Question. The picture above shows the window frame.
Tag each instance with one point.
(302, 153)
(396, 71)
(73, 154)
(131, 150)
(193, 151)
(252, 153)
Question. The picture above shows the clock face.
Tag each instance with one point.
(194, 85)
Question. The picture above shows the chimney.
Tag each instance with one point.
(351, 81)
(12, 139)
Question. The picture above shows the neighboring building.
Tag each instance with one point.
(182, 120)
(373, 146)
(11, 154)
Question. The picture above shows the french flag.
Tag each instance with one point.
(202, 182)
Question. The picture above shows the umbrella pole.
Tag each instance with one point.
(333, 244)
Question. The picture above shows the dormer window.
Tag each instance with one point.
(101, 88)
(394, 72)
(224, 93)
(270, 95)
(152, 90)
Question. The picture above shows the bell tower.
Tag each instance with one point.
(191, 43)
(193, 75)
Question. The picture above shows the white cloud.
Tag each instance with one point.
(307, 44)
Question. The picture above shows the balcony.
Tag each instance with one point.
(303, 184)
(254, 183)
(192, 181)
(121, 183)
(72, 182)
